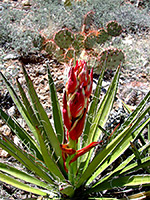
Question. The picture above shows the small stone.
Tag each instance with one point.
(10, 56)
(21, 80)
(1, 8)
(128, 40)
(4, 154)
(41, 71)
(26, 3)
(16, 140)
(146, 63)
(148, 70)
(21, 122)
(1, 122)
(11, 111)
(5, 130)
(60, 77)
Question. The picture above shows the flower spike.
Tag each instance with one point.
(75, 106)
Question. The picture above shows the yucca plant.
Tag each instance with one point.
(69, 159)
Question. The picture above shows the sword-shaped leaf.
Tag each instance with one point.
(50, 163)
(26, 139)
(122, 166)
(115, 148)
(127, 181)
(7, 179)
(24, 159)
(23, 176)
(43, 118)
(25, 114)
(57, 115)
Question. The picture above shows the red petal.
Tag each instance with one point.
(83, 77)
(71, 85)
(77, 103)
(67, 119)
(77, 128)
(84, 150)
(66, 149)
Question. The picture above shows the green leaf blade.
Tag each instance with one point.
(6, 179)
(43, 118)
(22, 134)
(119, 145)
(57, 115)
(19, 105)
(24, 159)
(127, 181)
(23, 176)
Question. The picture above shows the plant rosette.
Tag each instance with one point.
(62, 157)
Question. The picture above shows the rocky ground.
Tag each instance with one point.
(133, 85)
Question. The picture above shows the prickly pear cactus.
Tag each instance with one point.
(66, 45)
(69, 54)
(102, 36)
(78, 43)
(90, 41)
(88, 21)
(114, 28)
(111, 58)
(64, 38)
(59, 54)
(50, 47)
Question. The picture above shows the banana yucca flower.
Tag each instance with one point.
(75, 104)
(75, 101)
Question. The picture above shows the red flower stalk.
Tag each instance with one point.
(75, 101)
(75, 105)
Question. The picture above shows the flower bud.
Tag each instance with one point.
(77, 102)
(78, 90)
(71, 85)
(77, 128)
(66, 113)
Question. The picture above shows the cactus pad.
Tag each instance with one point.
(78, 43)
(50, 47)
(59, 54)
(90, 41)
(64, 38)
(93, 62)
(102, 36)
(114, 28)
(112, 58)
(88, 21)
(70, 53)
